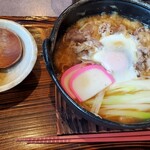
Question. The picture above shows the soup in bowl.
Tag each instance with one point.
(98, 55)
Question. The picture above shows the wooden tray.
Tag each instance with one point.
(28, 110)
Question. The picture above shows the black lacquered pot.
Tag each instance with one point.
(83, 8)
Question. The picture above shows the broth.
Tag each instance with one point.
(3, 77)
(82, 39)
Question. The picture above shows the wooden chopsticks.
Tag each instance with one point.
(88, 138)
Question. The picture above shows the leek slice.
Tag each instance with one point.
(140, 107)
(97, 102)
(128, 113)
(136, 98)
(129, 87)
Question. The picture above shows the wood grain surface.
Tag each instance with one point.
(28, 110)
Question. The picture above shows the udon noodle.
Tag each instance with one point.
(122, 102)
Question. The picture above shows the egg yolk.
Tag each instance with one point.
(115, 60)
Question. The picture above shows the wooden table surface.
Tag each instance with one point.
(29, 109)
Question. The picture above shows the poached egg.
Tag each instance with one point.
(118, 56)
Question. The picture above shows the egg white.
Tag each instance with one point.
(118, 56)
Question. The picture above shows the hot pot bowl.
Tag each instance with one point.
(84, 8)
